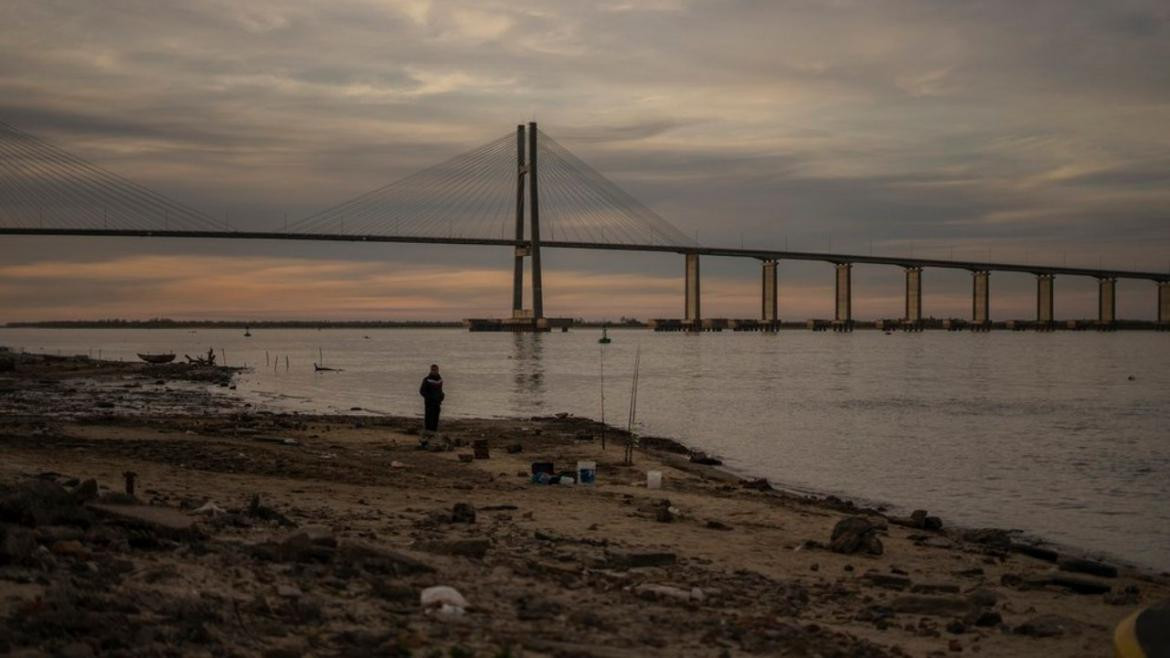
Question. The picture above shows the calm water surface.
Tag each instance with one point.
(1043, 432)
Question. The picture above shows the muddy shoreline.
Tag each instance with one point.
(256, 532)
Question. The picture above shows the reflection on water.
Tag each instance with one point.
(528, 372)
(1044, 432)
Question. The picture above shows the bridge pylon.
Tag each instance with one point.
(527, 245)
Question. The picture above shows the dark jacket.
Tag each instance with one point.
(432, 389)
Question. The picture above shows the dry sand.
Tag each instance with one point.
(332, 527)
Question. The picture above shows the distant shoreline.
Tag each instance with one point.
(709, 324)
(229, 324)
(269, 324)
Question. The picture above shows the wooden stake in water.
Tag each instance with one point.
(265, 357)
(286, 363)
(631, 440)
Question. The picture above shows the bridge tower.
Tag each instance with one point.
(526, 149)
(534, 217)
(521, 251)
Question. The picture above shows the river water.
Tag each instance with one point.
(1042, 432)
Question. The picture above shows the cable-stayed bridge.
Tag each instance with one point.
(523, 190)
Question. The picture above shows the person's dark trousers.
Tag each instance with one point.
(432, 417)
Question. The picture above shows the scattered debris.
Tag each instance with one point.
(443, 600)
(208, 509)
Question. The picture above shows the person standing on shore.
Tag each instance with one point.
(432, 394)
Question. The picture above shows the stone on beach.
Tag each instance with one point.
(463, 513)
(885, 580)
(1047, 626)
(474, 548)
(1038, 552)
(855, 533)
(166, 521)
(16, 543)
(634, 560)
(939, 606)
(1090, 567)
(1078, 584)
(380, 560)
(653, 591)
(38, 502)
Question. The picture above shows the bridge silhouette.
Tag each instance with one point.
(505, 193)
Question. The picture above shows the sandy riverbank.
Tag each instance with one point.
(333, 526)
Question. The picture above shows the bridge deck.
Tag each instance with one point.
(760, 254)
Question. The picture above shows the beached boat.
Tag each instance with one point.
(156, 358)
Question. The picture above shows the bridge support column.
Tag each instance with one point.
(693, 307)
(1164, 303)
(913, 314)
(534, 215)
(843, 316)
(521, 252)
(1044, 299)
(769, 310)
(1106, 301)
(981, 299)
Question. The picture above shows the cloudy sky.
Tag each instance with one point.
(1017, 131)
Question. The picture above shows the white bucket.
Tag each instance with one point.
(586, 472)
(653, 479)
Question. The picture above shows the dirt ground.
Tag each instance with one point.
(256, 533)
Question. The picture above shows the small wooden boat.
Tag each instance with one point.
(156, 358)
(604, 340)
(247, 332)
(320, 368)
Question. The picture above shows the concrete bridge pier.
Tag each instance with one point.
(1044, 301)
(981, 300)
(843, 316)
(1164, 303)
(693, 315)
(1106, 301)
(769, 302)
(913, 317)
